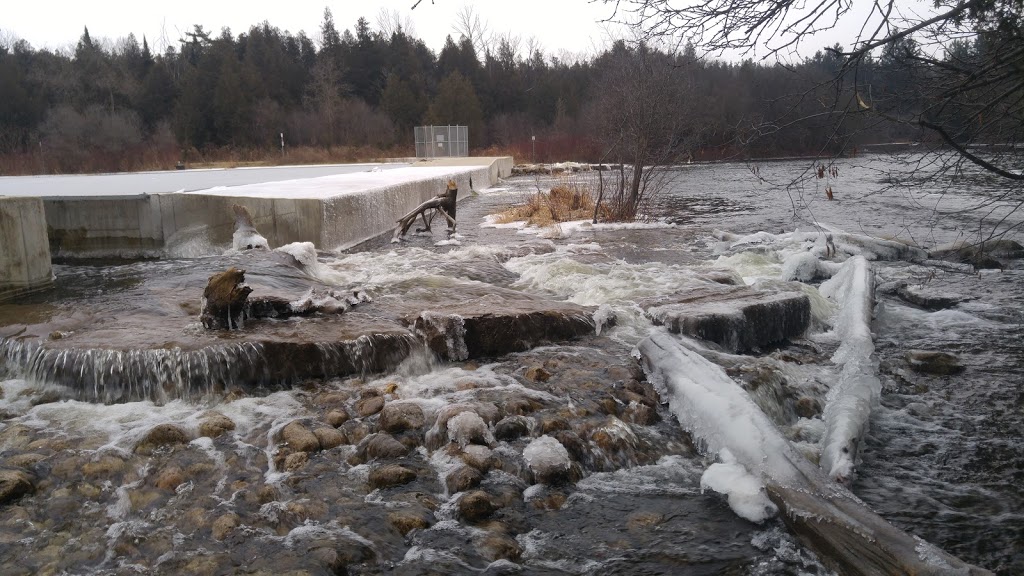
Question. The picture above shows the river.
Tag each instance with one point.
(943, 456)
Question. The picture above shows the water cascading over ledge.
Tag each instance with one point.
(160, 375)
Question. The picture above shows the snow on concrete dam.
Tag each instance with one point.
(148, 214)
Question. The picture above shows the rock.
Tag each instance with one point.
(983, 255)
(369, 406)
(224, 525)
(548, 459)
(644, 519)
(390, 475)
(520, 406)
(406, 521)
(512, 427)
(807, 407)
(398, 417)
(379, 446)
(497, 322)
(105, 466)
(929, 299)
(476, 506)
(224, 300)
(299, 438)
(501, 547)
(161, 435)
(550, 424)
(437, 436)
(14, 484)
(537, 374)
(463, 478)
(24, 460)
(337, 417)
(573, 444)
(355, 430)
(737, 318)
(479, 457)
(640, 414)
(295, 461)
(931, 362)
(469, 428)
(214, 424)
(329, 437)
(169, 478)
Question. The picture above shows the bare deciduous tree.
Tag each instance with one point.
(645, 121)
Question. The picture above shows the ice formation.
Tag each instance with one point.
(745, 493)
(849, 402)
(547, 457)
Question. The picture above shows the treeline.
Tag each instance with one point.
(357, 93)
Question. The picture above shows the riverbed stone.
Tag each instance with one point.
(476, 506)
(479, 457)
(295, 461)
(14, 484)
(501, 547)
(463, 478)
(213, 424)
(405, 521)
(512, 427)
(223, 525)
(378, 446)
(329, 437)
(933, 362)
(299, 438)
(398, 417)
(169, 478)
(537, 374)
(337, 417)
(737, 318)
(162, 435)
(369, 406)
(390, 475)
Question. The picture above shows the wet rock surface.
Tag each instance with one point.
(734, 317)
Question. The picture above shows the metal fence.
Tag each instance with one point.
(442, 141)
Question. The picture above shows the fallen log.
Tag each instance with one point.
(443, 203)
(847, 535)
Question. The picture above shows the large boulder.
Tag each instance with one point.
(734, 317)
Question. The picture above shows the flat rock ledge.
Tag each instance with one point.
(737, 318)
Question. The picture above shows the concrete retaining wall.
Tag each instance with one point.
(24, 251)
(145, 225)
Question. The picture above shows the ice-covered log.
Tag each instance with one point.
(849, 537)
(850, 401)
(735, 317)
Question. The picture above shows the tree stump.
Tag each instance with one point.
(224, 300)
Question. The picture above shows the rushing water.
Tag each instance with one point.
(943, 458)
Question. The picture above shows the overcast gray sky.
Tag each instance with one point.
(569, 25)
(558, 26)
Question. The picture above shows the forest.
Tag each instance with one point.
(357, 94)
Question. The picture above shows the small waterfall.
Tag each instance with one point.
(161, 375)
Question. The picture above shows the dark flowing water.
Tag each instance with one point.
(943, 458)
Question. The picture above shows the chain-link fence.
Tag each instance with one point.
(442, 141)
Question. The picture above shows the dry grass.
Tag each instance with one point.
(571, 199)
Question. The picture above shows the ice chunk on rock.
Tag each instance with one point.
(547, 458)
(468, 428)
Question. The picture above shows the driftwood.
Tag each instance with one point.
(443, 203)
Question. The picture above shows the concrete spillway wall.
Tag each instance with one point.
(24, 251)
(333, 212)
